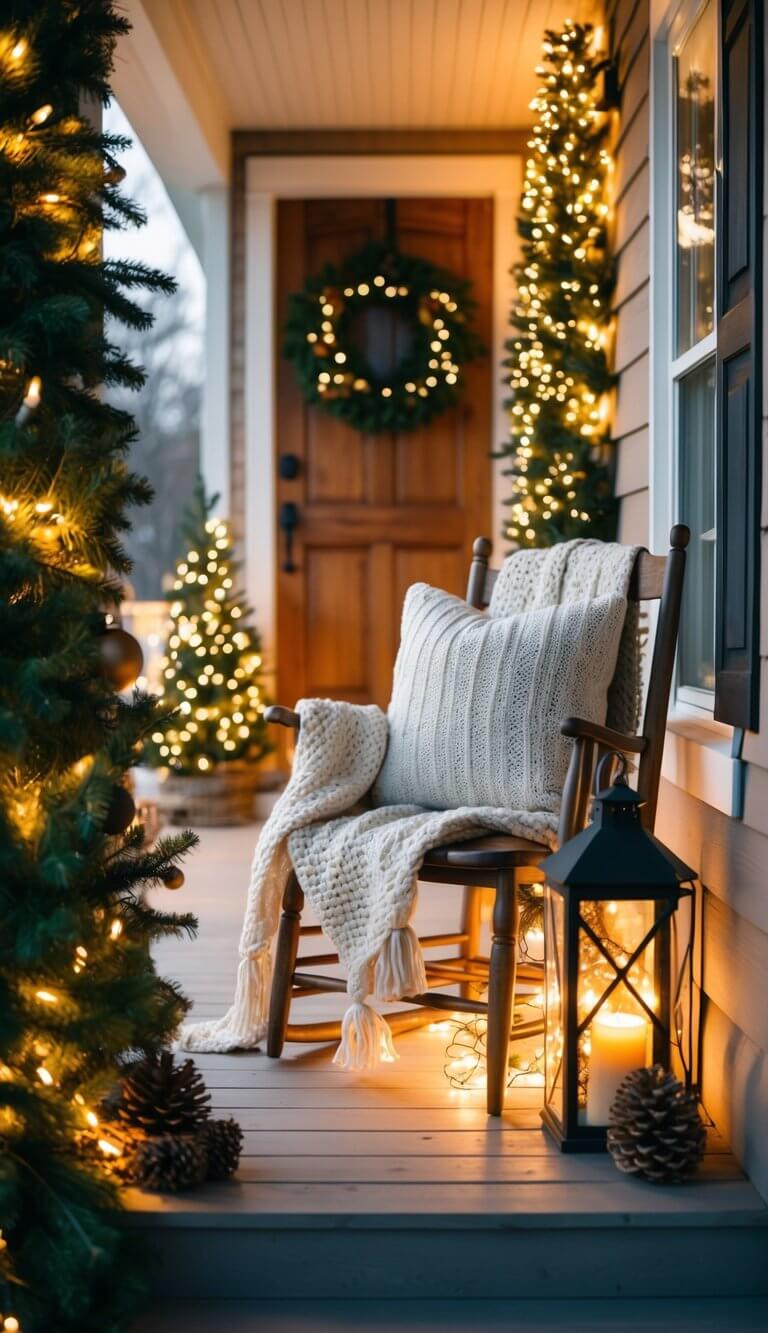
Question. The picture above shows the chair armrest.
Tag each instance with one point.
(580, 729)
(284, 717)
(578, 782)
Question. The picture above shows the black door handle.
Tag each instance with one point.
(290, 465)
(289, 521)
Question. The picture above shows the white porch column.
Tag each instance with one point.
(260, 418)
(214, 421)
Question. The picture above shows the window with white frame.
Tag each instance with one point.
(691, 335)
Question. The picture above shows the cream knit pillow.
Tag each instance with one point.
(477, 702)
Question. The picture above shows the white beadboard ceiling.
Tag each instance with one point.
(362, 64)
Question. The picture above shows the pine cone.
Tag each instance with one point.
(223, 1140)
(109, 1104)
(161, 1097)
(168, 1162)
(655, 1129)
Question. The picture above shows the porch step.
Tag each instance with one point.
(386, 1242)
(544, 1316)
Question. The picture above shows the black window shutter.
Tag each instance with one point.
(739, 361)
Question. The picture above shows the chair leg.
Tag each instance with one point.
(470, 926)
(501, 989)
(285, 966)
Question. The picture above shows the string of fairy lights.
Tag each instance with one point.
(559, 373)
(466, 1047)
(432, 312)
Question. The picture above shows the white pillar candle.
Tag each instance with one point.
(618, 1046)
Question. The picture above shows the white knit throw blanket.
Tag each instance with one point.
(359, 869)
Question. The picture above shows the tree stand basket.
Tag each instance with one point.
(217, 800)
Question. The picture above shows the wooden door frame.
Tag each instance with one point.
(366, 171)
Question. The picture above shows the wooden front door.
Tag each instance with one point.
(376, 513)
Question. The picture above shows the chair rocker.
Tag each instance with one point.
(499, 862)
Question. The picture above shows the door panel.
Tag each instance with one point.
(336, 621)
(376, 513)
(429, 461)
(335, 461)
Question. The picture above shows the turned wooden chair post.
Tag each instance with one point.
(286, 953)
(501, 989)
(469, 948)
(473, 896)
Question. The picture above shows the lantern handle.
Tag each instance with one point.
(607, 761)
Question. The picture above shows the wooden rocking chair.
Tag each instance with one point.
(497, 862)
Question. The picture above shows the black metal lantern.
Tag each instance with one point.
(610, 898)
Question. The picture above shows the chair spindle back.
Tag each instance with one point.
(654, 578)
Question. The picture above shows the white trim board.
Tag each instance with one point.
(366, 176)
(698, 754)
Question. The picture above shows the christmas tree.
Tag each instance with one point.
(211, 671)
(77, 986)
(558, 364)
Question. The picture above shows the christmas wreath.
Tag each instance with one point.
(333, 367)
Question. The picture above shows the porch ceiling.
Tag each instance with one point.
(191, 71)
(355, 64)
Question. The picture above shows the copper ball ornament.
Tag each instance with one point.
(172, 878)
(121, 657)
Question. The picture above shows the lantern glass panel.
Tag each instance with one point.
(615, 1029)
(554, 1041)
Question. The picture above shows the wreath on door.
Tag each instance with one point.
(431, 329)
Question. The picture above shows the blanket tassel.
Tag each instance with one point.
(366, 1039)
(245, 1023)
(400, 969)
(251, 1002)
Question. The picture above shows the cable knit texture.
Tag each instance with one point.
(478, 700)
(357, 864)
(571, 572)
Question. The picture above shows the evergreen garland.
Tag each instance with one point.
(558, 357)
(212, 666)
(77, 985)
(334, 371)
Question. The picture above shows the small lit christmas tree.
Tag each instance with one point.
(212, 668)
(558, 358)
(78, 988)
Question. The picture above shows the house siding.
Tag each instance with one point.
(630, 46)
(730, 854)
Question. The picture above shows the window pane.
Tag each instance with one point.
(695, 187)
(696, 404)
